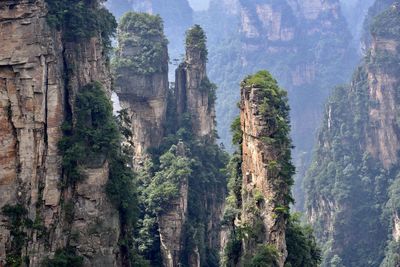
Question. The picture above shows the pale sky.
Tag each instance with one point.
(199, 4)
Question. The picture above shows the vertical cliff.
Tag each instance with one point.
(49, 61)
(352, 184)
(141, 79)
(258, 206)
(258, 229)
(266, 162)
(195, 94)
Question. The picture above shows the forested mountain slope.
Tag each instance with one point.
(352, 185)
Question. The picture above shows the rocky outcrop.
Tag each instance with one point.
(261, 171)
(159, 118)
(195, 94)
(259, 178)
(141, 80)
(40, 73)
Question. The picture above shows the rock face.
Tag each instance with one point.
(194, 92)
(355, 12)
(355, 169)
(258, 178)
(382, 141)
(258, 204)
(35, 98)
(142, 80)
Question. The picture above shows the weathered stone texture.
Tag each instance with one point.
(258, 179)
(190, 97)
(143, 95)
(33, 105)
(383, 140)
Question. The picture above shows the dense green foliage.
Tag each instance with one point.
(81, 19)
(275, 109)
(265, 256)
(202, 167)
(182, 157)
(197, 39)
(301, 244)
(165, 184)
(177, 16)
(343, 174)
(65, 257)
(143, 34)
(233, 203)
(392, 255)
(94, 136)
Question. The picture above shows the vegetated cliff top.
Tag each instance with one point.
(142, 45)
(274, 103)
(387, 24)
(197, 39)
(142, 23)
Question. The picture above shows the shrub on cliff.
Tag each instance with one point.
(165, 184)
(94, 136)
(79, 20)
(266, 256)
(301, 244)
(197, 39)
(142, 34)
(65, 257)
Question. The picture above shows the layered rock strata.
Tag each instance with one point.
(40, 74)
(260, 178)
(193, 91)
(142, 83)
